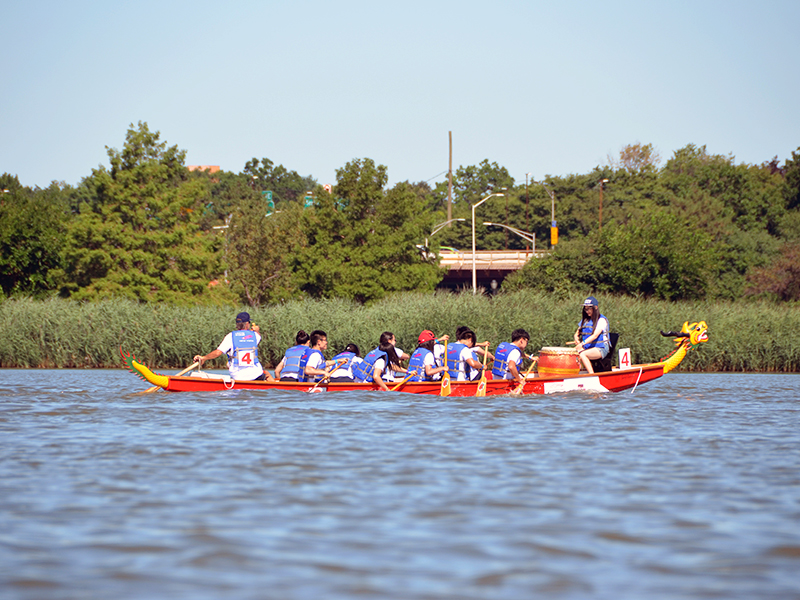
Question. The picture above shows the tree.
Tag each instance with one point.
(781, 279)
(662, 257)
(636, 158)
(32, 225)
(360, 242)
(286, 186)
(136, 234)
(792, 186)
(258, 249)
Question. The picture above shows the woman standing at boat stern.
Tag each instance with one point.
(241, 348)
(591, 338)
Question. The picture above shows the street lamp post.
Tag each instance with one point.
(525, 235)
(439, 227)
(474, 273)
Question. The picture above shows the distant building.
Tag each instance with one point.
(210, 168)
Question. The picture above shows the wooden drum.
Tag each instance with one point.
(559, 361)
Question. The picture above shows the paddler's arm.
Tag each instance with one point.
(210, 356)
(279, 368)
(431, 371)
(376, 377)
(512, 368)
(311, 371)
(485, 350)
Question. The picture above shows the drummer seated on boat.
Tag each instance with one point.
(241, 348)
(592, 336)
(508, 357)
(294, 361)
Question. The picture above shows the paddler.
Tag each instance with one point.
(478, 350)
(241, 348)
(423, 360)
(315, 365)
(591, 338)
(389, 337)
(377, 364)
(461, 362)
(289, 369)
(508, 357)
(344, 372)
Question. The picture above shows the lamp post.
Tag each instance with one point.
(439, 227)
(474, 273)
(526, 235)
(602, 181)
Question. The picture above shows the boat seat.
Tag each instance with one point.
(604, 364)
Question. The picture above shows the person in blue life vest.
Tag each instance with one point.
(344, 372)
(478, 350)
(461, 361)
(423, 360)
(314, 368)
(389, 337)
(291, 366)
(591, 338)
(508, 357)
(241, 348)
(377, 364)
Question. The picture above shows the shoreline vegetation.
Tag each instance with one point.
(756, 336)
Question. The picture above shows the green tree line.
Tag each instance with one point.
(146, 228)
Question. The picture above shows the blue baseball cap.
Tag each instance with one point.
(243, 317)
(591, 301)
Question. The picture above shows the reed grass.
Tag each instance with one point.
(744, 336)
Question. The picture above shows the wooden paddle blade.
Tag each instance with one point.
(481, 391)
(445, 390)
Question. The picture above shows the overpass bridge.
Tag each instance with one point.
(490, 265)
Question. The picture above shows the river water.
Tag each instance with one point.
(687, 488)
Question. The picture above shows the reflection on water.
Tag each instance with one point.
(687, 488)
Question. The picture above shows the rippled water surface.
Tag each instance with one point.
(688, 488)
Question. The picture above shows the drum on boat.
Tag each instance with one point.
(558, 361)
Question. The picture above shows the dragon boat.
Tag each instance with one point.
(615, 380)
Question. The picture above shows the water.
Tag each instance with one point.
(688, 488)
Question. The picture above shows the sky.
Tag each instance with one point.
(545, 88)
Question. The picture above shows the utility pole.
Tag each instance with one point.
(450, 181)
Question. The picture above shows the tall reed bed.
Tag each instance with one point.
(61, 333)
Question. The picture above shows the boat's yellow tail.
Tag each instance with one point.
(139, 369)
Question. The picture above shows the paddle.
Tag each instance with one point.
(155, 388)
(409, 376)
(518, 390)
(445, 389)
(481, 391)
(327, 374)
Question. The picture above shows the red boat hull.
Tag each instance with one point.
(611, 381)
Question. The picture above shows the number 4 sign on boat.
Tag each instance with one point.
(624, 358)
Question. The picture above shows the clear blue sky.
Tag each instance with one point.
(539, 87)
